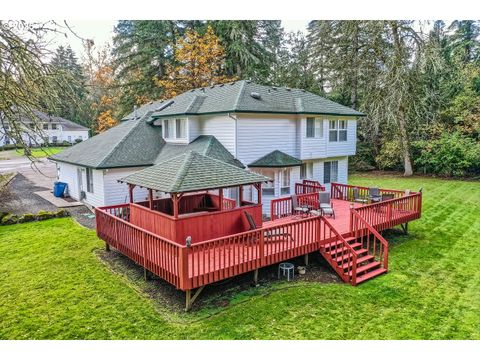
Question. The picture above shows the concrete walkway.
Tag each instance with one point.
(58, 202)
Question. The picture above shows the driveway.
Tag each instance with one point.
(41, 175)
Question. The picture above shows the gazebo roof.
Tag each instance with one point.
(190, 172)
(276, 158)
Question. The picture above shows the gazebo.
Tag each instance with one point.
(196, 209)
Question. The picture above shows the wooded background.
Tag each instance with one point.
(419, 89)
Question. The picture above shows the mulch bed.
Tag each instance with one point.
(215, 295)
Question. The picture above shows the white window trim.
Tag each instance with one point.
(282, 179)
(172, 134)
(318, 132)
(337, 130)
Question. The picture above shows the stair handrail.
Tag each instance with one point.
(346, 245)
(355, 214)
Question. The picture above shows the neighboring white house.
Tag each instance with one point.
(44, 129)
(285, 134)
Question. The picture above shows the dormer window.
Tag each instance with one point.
(168, 129)
(180, 129)
(54, 126)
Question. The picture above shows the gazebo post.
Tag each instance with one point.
(240, 195)
(220, 199)
(130, 192)
(175, 205)
(258, 186)
(150, 198)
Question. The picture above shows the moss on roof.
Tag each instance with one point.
(192, 171)
(276, 159)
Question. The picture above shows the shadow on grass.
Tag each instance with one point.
(218, 296)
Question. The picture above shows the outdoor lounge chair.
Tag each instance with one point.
(388, 196)
(357, 198)
(374, 194)
(325, 206)
(268, 234)
(296, 208)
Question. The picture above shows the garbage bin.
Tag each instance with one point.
(59, 188)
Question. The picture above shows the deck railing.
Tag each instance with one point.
(345, 192)
(370, 238)
(302, 188)
(188, 267)
(335, 241)
(153, 252)
(282, 207)
(389, 213)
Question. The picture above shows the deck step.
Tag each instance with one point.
(340, 259)
(371, 274)
(369, 267)
(341, 249)
(360, 260)
(338, 242)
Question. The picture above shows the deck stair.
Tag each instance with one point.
(359, 257)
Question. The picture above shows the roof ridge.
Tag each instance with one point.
(185, 166)
(122, 140)
(240, 93)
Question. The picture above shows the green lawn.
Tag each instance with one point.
(52, 285)
(36, 152)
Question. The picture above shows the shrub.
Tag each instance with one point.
(390, 157)
(26, 218)
(451, 155)
(44, 215)
(62, 213)
(9, 219)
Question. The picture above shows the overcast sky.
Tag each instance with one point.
(101, 32)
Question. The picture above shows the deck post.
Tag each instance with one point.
(107, 246)
(258, 186)
(189, 299)
(255, 276)
(306, 259)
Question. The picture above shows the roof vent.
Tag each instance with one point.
(232, 83)
(274, 87)
(163, 106)
(248, 81)
(221, 85)
(288, 89)
(255, 95)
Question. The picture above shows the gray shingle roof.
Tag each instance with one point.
(129, 144)
(192, 171)
(276, 159)
(237, 97)
(135, 143)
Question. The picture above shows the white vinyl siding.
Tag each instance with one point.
(89, 175)
(221, 126)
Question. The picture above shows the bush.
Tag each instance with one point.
(451, 155)
(9, 219)
(26, 218)
(44, 215)
(390, 157)
(62, 213)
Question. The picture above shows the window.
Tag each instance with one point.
(342, 130)
(69, 138)
(306, 171)
(314, 128)
(45, 126)
(7, 140)
(333, 131)
(89, 173)
(32, 125)
(330, 172)
(338, 130)
(285, 189)
(180, 132)
(54, 126)
(268, 188)
(54, 139)
(168, 129)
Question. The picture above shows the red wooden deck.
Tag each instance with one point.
(285, 237)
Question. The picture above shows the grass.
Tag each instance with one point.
(52, 285)
(36, 152)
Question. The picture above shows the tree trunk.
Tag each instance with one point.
(407, 160)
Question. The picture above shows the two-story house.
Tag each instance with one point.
(44, 129)
(285, 134)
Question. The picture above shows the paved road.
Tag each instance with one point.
(42, 173)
